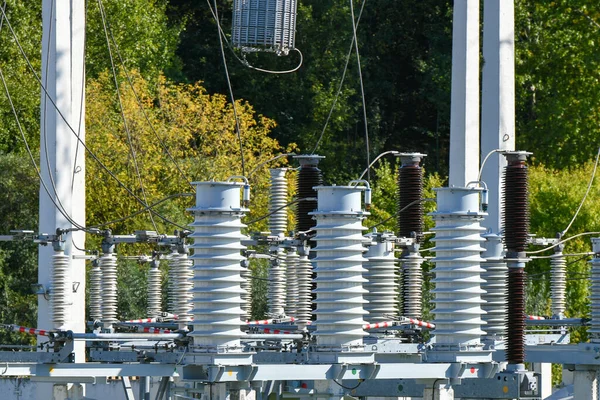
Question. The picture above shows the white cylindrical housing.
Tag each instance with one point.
(381, 284)
(457, 296)
(495, 275)
(277, 202)
(339, 268)
(154, 290)
(182, 285)
(60, 295)
(291, 300)
(412, 284)
(304, 271)
(276, 288)
(95, 304)
(246, 285)
(558, 282)
(108, 265)
(594, 331)
(217, 270)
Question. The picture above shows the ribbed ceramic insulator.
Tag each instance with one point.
(410, 190)
(495, 288)
(277, 201)
(309, 176)
(183, 285)
(60, 295)
(594, 331)
(276, 289)
(246, 295)
(412, 286)
(108, 265)
(217, 270)
(154, 290)
(304, 278)
(291, 301)
(515, 344)
(381, 287)
(515, 196)
(95, 304)
(457, 295)
(339, 267)
(172, 260)
(558, 283)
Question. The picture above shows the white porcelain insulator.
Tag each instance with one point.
(278, 199)
(276, 288)
(246, 284)
(172, 260)
(458, 293)
(154, 291)
(381, 284)
(108, 265)
(594, 330)
(60, 295)
(412, 285)
(558, 283)
(291, 302)
(495, 276)
(183, 285)
(304, 278)
(95, 292)
(217, 270)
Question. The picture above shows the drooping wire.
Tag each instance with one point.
(62, 116)
(385, 153)
(243, 60)
(340, 86)
(589, 187)
(401, 210)
(280, 208)
(485, 160)
(122, 111)
(563, 241)
(140, 104)
(362, 89)
(268, 161)
(235, 113)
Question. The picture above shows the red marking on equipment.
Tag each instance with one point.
(472, 370)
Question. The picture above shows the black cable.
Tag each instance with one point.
(433, 387)
(122, 111)
(62, 116)
(403, 209)
(235, 114)
(280, 208)
(360, 381)
(141, 106)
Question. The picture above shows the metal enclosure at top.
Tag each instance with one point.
(264, 25)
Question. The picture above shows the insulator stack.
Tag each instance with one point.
(594, 331)
(181, 266)
(95, 303)
(217, 271)
(410, 194)
(60, 295)
(412, 285)
(381, 287)
(154, 290)
(495, 288)
(558, 281)
(277, 202)
(457, 295)
(108, 265)
(172, 260)
(516, 230)
(276, 289)
(309, 176)
(339, 267)
(291, 283)
(246, 285)
(304, 279)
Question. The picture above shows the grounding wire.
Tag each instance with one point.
(339, 91)
(268, 161)
(377, 159)
(62, 116)
(243, 60)
(362, 88)
(403, 209)
(562, 241)
(235, 113)
(279, 209)
(122, 111)
(141, 106)
(589, 187)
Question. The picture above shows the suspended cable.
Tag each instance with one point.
(377, 159)
(122, 111)
(589, 187)
(401, 210)
(339, 91)
(362, 89)
(141, 106)
(485, 160)
(62, 116)
(268, 161)
(562, 241)
(279, 209)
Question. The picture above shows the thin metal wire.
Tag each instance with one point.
(563, 241)
(280, 208)
(268, 161)
(122, 111)
(403, 209)
(375, 160)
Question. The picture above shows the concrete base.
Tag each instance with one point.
(586, 385)
(439, 391)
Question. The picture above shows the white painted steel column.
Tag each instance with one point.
(464, 118)
(498, 99)
(62, 157)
